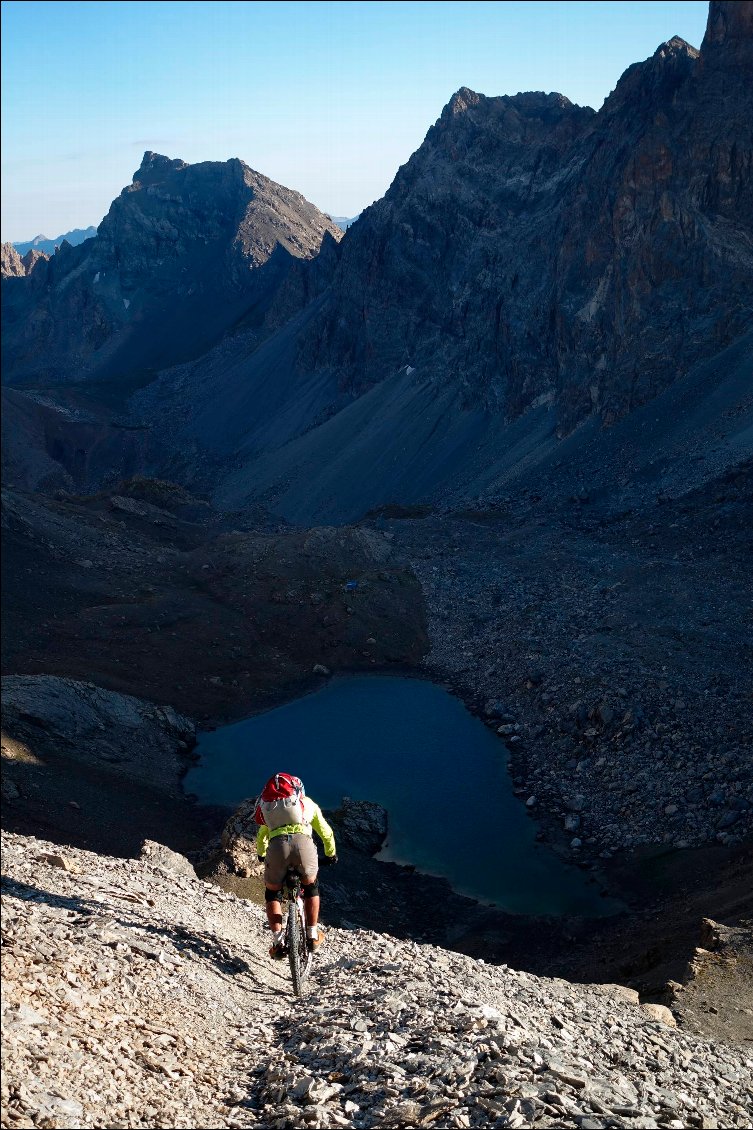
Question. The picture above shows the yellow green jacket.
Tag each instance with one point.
(314, 820)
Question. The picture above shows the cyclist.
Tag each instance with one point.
(287, 819)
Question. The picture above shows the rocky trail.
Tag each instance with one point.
(136, 995)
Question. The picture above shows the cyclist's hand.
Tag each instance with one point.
(329, 860)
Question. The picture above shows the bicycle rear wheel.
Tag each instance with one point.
(298, 954)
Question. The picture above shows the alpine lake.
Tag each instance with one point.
(440, 773)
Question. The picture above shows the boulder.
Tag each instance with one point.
(161, 856)
(660, 1013)
(238, 841)
(65, 719)
(360, 824)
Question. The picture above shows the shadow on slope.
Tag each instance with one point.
(409, 440)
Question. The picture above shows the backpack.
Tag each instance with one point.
(281, 802)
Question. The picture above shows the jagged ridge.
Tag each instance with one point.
(531, 247)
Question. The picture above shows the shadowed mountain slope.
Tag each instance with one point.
(531, 248)
(185, 253)
(405, 441)
(534, 264)
(534, 267)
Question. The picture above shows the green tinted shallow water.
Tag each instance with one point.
(440, 773)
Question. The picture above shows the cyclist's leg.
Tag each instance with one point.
(275, 868)
(311, 902)
(274, 908)
(307, 866)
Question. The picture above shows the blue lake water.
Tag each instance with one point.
(440, 773)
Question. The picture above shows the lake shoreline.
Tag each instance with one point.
(666, 892)
(415, 750)
(651, 943)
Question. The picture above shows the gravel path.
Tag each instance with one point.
(136, 995)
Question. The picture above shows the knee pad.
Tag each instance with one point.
(271, 896)
(311, 890)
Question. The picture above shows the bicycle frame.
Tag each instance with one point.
(296, 941)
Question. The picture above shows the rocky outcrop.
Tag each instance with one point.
(32, 258)
(84, 724)
(532, 250)
(185, 253)
(92, 767)
(361, 824)
(11, 263)
(238, 841)
(16, 266)
(157, 855)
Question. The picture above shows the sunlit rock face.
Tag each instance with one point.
(11, 263)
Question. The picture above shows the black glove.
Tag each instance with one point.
(261, 858)
(329, 860)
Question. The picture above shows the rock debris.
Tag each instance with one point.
(138, 996)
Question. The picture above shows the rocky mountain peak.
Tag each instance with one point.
(11, 264)
(532, 252)
(656, 80)
(676, 46)
(154, 166)
(32, 258)
(466, 106)
(185, 252)
(729, 33)
(460, 101)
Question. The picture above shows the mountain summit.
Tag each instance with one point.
(185, 252)
(532, 248)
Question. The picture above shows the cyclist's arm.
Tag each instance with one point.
(262, 840)
(322, 829)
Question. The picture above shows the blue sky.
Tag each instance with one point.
(327, 98)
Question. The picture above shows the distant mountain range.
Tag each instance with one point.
(42, 243)
(344, 222)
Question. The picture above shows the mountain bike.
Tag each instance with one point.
(296, 942)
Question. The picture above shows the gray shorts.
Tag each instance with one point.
(296, 851)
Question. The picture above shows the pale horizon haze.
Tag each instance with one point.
(326, 98)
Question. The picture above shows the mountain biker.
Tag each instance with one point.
(287, 819)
